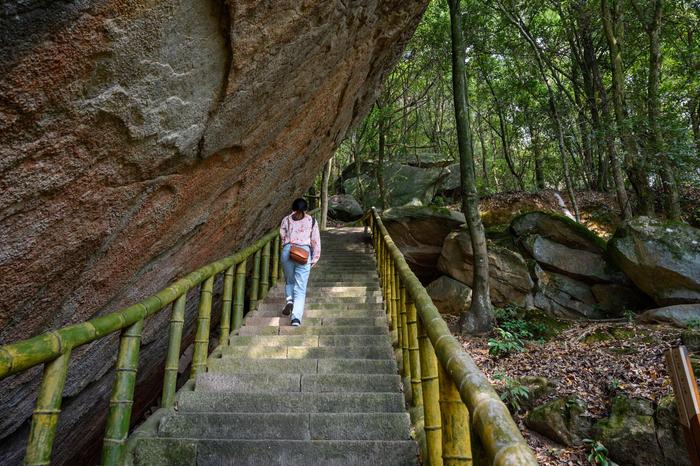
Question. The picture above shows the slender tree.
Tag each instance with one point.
(478, 319)
(324, 194)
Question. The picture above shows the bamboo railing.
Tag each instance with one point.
(459, 408)
(53, 349)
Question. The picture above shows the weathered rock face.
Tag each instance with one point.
(403, 184)
(449, 296)
(629, 433)
(419, 232)
(344, 207)
(573, 275)
(577, 263)
(681, 315)
(662, 259)
(510, 280)
(564, 420)
(558, 229)
(143, 140)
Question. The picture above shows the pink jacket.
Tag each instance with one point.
(302, 232)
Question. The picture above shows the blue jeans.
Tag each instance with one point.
(296, 277)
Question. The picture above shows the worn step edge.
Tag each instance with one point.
(189, 452)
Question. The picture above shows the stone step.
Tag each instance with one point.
(191, 452)
(309, 306)
(301, 366)
(323, 313)
(221, 402)
(309, 340)
(286, 426)
(383, 351)
(251, 330)
(214, 382)
(252, 320)
(319, 298)
(340, 291)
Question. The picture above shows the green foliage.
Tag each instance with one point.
(693, 324)
(629, 315)
(597, 453)
(513, 393)
(512, 319)
(504, 344)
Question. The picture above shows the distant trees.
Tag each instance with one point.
(568, 94)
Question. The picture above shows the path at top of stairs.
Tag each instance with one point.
(325, 393)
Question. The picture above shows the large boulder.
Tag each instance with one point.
(345, 208)
(681, 315)
(661, 258)
(403, 184)
(629, 432)
(670, 433)
(419, 232)
(558, 229)
(564, 420)
(509, 278)
(142, 140)
(449, 296)
(576, 263)
(562, 296)
(574, 276)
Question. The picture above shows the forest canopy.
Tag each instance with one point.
(599, 95)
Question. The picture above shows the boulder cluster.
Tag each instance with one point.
(552, 263)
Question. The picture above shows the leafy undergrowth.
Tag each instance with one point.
(592, 361)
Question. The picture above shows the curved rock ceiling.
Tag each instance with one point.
(143, 139)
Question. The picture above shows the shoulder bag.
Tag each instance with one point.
(298, 254)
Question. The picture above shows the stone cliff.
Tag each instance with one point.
(143, 139)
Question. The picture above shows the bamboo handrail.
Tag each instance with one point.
(446, 373)
(54, 348)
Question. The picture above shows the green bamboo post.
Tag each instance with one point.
(201, 336)
(275, 261)
(389, 300)
(239, 296)
(406, 369)
(255, 284)
(226, 299)
(456, 445)
(265, 272)
(280, 272)
(393, 293)
(177, 321)
(414, 356)
(431, 398)
(46, 411)
(122, 399)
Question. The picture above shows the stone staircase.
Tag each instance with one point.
(327, 392)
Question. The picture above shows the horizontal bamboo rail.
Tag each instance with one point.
(53, 349)
(460, 408)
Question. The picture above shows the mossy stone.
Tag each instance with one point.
(562, 420)
(629, 432)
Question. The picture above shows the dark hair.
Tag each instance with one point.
(300, 205)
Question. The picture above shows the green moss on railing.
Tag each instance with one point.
(490, 419)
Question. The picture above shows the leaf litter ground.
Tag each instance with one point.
(592, 361)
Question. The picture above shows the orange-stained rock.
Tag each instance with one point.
(141, 140)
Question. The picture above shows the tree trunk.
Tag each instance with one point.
(607, 128)
(638, 177)
(324, 194)
(694, 110)
(380, 158)
(671, 198)
(484, 166)
(537, 155)
(478, 319)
